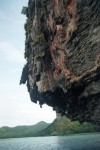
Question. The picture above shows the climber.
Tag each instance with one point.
(52, 66)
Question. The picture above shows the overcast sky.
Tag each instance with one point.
(16, 107)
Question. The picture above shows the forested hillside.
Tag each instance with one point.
(22, 131)
(64, 126)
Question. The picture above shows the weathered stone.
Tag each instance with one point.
(63, 56)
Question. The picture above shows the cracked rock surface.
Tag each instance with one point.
(62, 50)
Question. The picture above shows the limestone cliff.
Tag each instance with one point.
(62, 50)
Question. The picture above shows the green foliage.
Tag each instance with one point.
(64, 126)
(39, 38)
(28, 26)
(22, 131)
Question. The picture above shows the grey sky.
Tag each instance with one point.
(15, 105)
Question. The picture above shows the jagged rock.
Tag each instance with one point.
(62, 49)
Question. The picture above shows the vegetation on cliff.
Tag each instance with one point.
(64, 126)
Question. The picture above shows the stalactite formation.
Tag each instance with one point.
(62, 50)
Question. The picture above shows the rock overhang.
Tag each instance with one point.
(62, 50)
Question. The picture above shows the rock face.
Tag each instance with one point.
(62, 50)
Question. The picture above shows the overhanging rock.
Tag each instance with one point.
(62, 50)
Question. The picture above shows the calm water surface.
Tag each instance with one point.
(72, 142)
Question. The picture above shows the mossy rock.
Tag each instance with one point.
(28, 26)
(39, 38)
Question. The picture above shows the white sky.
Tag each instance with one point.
(16, 107)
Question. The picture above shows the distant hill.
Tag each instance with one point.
(64, 126)
(22, 131)
(61, 126)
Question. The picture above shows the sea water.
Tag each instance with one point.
(70, 142)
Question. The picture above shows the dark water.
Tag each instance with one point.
(72, 142)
